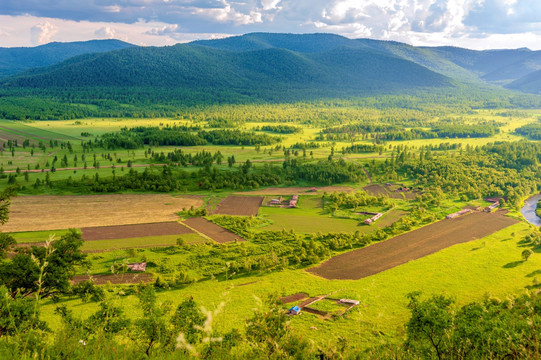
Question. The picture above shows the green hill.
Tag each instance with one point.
(192, 66)
(15, 60)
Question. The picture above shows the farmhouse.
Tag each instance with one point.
(293, 201)
(492, 206)
(373, 218)
(276, 201)
(458, 213)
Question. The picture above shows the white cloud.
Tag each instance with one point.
(270, 4)
(112, 9)
(22, 31)
(166, 29)
(227, 14)
(42, 33)
(106, 32)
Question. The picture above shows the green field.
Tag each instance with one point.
(466, 271)
(283, 242)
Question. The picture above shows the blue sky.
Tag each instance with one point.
(477, 24)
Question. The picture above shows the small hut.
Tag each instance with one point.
(137, 266)
(295, 310)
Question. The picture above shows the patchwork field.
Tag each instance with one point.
(129, 278)
(297, 190)
(213, 231)
(390, 191)
(35, 213)
(134, 230)
(416, 244)
(239, 205)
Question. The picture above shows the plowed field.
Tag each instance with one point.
(379, 257)
(128, 278)
(213, 231)
(34, 213)
(297, 190)
(134, 231)
(239, 205)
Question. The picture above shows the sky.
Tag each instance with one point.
(475, 24)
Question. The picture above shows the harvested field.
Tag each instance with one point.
(134, 231)
(378, 189)
(293, 298)
(297, 190)
(128, 278)
(213, 231)
(382, 256)
(35, 213)
(239, 205)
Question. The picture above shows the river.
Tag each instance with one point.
(528, 211)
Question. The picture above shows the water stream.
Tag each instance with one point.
(528, 211)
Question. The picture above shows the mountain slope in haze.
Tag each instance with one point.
(470, 66)
(303, 43)
(530, 83)
(16, 60)
(503, 65)
(203, 68)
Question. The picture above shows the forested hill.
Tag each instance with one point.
(528, 83)
(257, 67)
(15, 60)
(494, 66)
(192, 66)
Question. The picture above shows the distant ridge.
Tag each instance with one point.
(268, 67)
(263, 68)
(19, 59)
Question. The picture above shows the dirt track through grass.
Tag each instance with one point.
(35, 213)
(379, 257)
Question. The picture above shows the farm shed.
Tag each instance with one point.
(373, 218)
(293, 201)
(458, 213)
(295, 310)
(137, 266)
(350, 302)
(492, 207)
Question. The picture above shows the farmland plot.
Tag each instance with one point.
(35, 213)
(379, 257)
(239, 205)
(213, 231)
(134, 231)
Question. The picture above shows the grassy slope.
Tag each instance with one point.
(490, 266)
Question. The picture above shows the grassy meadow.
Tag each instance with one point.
(483, 268)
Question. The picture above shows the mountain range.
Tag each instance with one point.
(18, 59)
(258, 64)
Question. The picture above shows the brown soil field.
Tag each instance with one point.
(292, 298)
(416, 244)
(239, 205)
(213, 231)
(35, 213)
(134, 231)
(378, 189)
(297, 190)
(128, 278)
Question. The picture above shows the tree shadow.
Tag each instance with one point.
(513, 264)
(535, 273)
